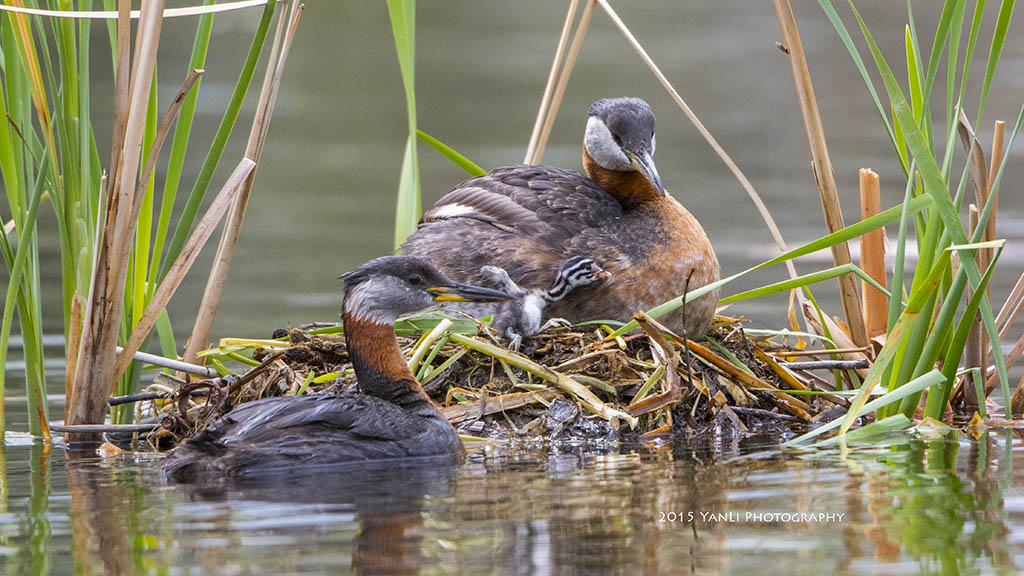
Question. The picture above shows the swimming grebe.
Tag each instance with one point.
(521, 318)
(527, 220)
(391, 418)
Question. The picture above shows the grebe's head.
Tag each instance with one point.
(620, 136)
(385, 288)
(575, 272)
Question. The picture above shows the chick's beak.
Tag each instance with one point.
(599, 272)
(644, 164)
(458, 292)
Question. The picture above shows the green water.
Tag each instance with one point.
(323, 204)
(944, 506)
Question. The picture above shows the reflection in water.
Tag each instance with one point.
(930, 506)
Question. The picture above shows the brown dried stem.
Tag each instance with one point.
(232, 229)
(190, 251)
(545, 101)
(96, 358)
(563, 81)
(872, 256)
(821, 166)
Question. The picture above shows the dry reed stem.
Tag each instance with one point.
(1011, 358)
(545, 101)
(996, 157)
(872, 256)
(189, 253)
(788, 353)
(978, 170)
(762, 209)
(784, 373)
(254, 149)
(1011, 300)
(96, 359)
(788, 403)
(563, 81)
(580, 392)
(472, 410)
(842, 341)
(158, 143)
(1011, 319)
(664, 353)
(824, 175)
(1017, 404)
(998, 143)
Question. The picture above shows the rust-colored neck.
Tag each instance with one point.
(629, 188)
(379, 365)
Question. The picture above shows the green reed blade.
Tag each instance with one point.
(407, 210)
(456, 158)
(804, 280)
(182, 131)
(25, 247)
(994, 53)
(924, 382)
(936, 187)
(852, 231)
(935, 406)
(408, 205)
(844, 35)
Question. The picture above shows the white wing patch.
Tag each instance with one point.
(452, 211)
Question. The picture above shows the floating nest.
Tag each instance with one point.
(574, 385)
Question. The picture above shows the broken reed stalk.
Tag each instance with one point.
(1011, 304)
(872, 257)
(473, 410)
(563, 81)
(176, 273)
(545, 101)
(665, 354)
(96, 356)
(840, 338)
(154, 360)
(577, 390)
(706, 134)
(254, 149)
(161, 135)
(998, 142)
(824, 175)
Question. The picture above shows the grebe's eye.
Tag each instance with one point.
(415, 280)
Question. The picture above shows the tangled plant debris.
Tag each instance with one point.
(569, 386)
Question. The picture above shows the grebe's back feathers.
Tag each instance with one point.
(316, 429)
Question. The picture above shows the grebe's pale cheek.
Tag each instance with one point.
(602, 147)
(375, 301)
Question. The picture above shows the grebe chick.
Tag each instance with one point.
(389, 417)
(529, 219)
(521, 318)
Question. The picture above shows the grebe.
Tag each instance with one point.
(527, 220)
(522, 318)
(389, 417)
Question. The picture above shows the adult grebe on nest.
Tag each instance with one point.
(528, 220)
(389, 417)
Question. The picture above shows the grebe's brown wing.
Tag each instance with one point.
(521, 218)
(551, 203)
